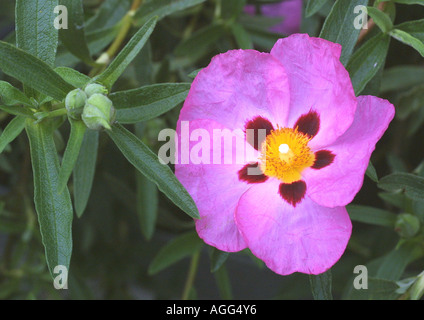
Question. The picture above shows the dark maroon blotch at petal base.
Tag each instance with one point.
(323, 158)
(294, 192)
(254, 175)
(308, 123)
(253, 126)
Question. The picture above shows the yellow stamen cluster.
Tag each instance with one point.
(285, 154)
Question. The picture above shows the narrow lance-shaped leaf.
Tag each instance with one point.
(73, 77)
(200, 41)
(35, 30)
(84, 170)
(321, 286)
(73, 37)
(32, 72)
(421, 2)
(218, 258)
(339, 26)
(394, 263)
(148, 102)
(381, 19)
(181, 247)
(142, 158)
(147, 205)
(313, 6)
(72, 150)
(162, 8)
(224, 283)
(147, 197)
(12, 130)
(10, 95)
(367, 60)
(54, 210)
(413, 185)
(409, 40)
(18, 111)
(371, 215)
(415, 28)
(126, 55)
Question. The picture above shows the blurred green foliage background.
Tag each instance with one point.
(115, 249)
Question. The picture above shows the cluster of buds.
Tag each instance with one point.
(92, 106)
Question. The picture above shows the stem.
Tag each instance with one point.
(191, 275)
(107, 56)
(370, 24)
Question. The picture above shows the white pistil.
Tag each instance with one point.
(283, 148)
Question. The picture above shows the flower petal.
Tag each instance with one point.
(307, 238)
(238, 86)
(214, 185)
(318, 81)
(338, 183)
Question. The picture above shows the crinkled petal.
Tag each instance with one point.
(338, 183)
(214, 186)
(318, 81)
(236, 87)
(307, 238)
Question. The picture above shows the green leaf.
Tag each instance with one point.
(417, 289)
(11, 95)
(96, 40)
(147, 205)
(54, 210)
(161, 9)
(321, 286)
(412, 185)
(218, 258)
(371, 215)
(415, 28)
(73, 37)
(381, 19)
(84, 170)
(18, 111)
(32, 72)
(313, 6)
(224, 284)
(409, 40)
(35, 31)
(12, 130)
(421, 2)
(73, 77)
(147, 198)
(181, 247)
(108, 14)
(371, 173)
(241, 36)
(339, 26)
(410, 101)
(378, 289)
(126, 55)
(395, 262)
(148, 102)
(200, 41)
(142, 158)
(367, 60)
(402, 77)
(71, 153)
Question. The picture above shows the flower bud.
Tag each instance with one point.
(407, 225)
(74, 103)
(95, 88)
(98, 112)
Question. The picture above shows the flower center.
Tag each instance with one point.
(285, 154)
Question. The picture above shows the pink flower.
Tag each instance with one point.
(289, 10)
(311, 161)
